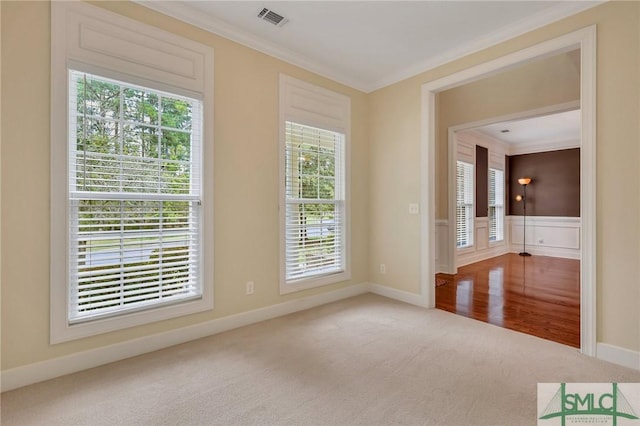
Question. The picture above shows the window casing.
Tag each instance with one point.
(134, 197)
(496, 205)
(464, 204)
(314, 192)
(128, 185)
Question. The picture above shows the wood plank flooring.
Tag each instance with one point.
(537, 295)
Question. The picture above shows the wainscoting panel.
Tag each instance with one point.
(481, 233)
(482, 249)
(546, 235)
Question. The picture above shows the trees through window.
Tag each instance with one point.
(315, 202)
(134, 197)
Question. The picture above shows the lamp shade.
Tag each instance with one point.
(524, 181)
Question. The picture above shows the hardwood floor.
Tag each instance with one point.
(537, 295)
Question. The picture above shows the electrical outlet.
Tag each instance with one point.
(249, 287)
(383, 268)
(414, 208)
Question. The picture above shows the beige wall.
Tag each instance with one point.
(246, 181)
(394, 170)
(541, 83)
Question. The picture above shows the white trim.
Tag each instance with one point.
(546, 17)
(522, 148)
(400, 295)
(529, 147)
(588, 184)
(480, 255)
(542, 146)
(428, 198)
(452, 157)
(564, 233)
(585, 39)
(441, 246)
(83, 34)
(305, 103)
(217, 26)
(496, 147)
(618, 355)
(45, 370)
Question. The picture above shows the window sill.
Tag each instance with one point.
(62, 331)
(287, 287)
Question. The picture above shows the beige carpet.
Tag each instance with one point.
(366, 360)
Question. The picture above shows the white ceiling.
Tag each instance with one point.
(557, 128)
(370, 44)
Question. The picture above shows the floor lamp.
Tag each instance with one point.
(524, 182)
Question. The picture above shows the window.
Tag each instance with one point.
(464, 204)
(314, 209)
(134, 197)
(314, 202)
(131, 173)
(496, 205)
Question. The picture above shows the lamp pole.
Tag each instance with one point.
(524, 228)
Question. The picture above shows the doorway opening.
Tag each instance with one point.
(585, 41)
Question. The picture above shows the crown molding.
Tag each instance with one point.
(523, 26)
(183, 12)
(217, 26)
(545, 146)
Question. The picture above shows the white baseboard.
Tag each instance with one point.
(480, 255)
(45, 370)
(442, 268)
(618, 355)
(548, 251)
(401, 295)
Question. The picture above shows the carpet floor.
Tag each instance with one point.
(366, 360)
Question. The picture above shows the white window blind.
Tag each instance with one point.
(464, 204)
(134, 197)
(315, 202)
(496, 205)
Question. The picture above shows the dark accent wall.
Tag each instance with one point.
(555, 185)
(482, 181)
(507, 185)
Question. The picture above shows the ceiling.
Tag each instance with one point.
(369, 45)
(550, 129)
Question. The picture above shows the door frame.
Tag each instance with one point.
(585, 40)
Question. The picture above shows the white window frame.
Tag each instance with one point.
(500, 227)
(310, 105)
(99, 42)
(471, 220)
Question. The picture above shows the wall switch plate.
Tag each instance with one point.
(414, 208)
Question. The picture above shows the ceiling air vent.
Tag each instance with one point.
(273, 17)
